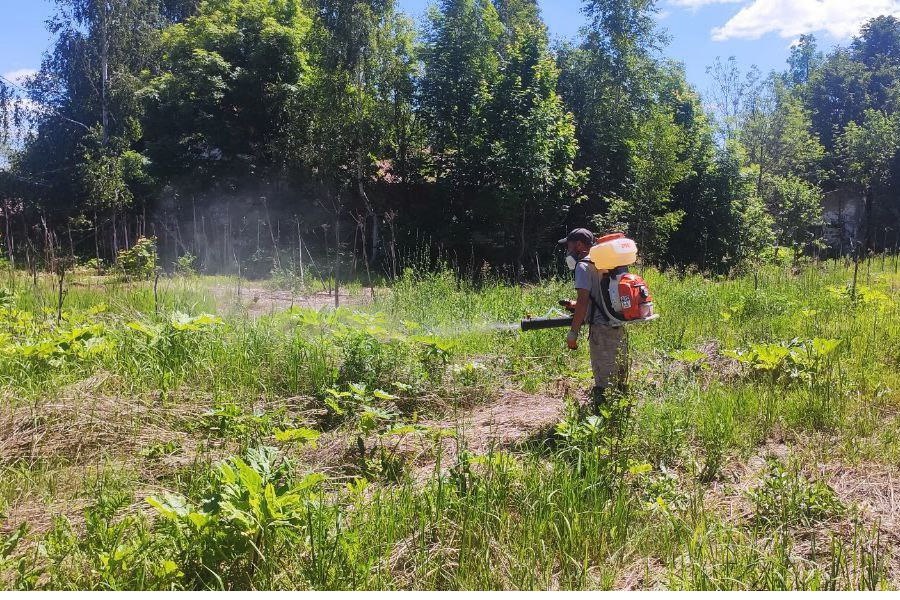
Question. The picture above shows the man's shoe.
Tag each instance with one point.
(598, 399)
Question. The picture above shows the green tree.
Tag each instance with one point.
(517, 15)
(87, 84)
(837, 94)
(461, 56)
(603, 123)
(216, 112)
(361, 93)
(364, 76)
(402, 137)
(877, 47)
(796, 206)
(793, 147)
(803, 60)
(780, 138)
(623, 30)
(647, 214)
(110, 173)
(724, 221)
(868, 152)
(608, 81)
(176, 11)
(13, 124)
(746, 228)
(531, 145)
(737, 96)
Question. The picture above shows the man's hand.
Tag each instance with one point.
(572, 340)
(568, 305)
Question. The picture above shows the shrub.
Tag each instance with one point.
(186, 265)
(139, 261)
(252, 506)
(796, 360)
(785, 498)
(96, 265)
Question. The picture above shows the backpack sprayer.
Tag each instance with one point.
(625, 296)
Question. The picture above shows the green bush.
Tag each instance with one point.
(252, 508)
(186, 265)
(785, 498)
(139, 261)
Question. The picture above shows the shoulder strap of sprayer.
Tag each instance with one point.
(605, 307)
(615, 319)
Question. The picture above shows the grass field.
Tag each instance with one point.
(190, 439)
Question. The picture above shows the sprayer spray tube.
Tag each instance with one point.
(536, 324)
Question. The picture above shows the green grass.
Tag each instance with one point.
(134, 395)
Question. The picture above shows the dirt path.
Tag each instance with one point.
(512, 419)
(259, 301)
(509, 420)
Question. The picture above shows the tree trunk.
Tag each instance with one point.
(870, 200)
(391, 217)
(196, 251)
(520, 261)
(300, 244)
(97, 240)
(362, 223)
(115, 234)
(10, 248)
(104, 72)
(337, 255)
(276, 261)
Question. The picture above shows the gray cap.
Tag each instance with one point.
(579, 235)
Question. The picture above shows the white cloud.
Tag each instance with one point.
(701, 3)
(18, 131)
(791, 18)
(19, 76)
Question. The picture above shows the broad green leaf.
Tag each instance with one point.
(688, 355)
(299, 434)
(404, 430)
(311, 480)
(640, 469)
(825, 347)
(140, 327)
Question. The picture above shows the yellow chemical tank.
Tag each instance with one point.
(614, 250)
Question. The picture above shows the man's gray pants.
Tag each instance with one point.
(609, 356)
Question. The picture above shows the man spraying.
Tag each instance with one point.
(608, 343)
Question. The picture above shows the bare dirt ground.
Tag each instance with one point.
(870, 490)
(93, 432)
(512, 418)
(259, 301)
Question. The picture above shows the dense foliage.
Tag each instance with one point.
(258, 134)
(170, 439)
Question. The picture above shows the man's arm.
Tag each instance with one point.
(581, 310)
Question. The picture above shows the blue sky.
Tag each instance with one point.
(755, 31)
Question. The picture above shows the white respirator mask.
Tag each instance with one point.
(571, 262)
